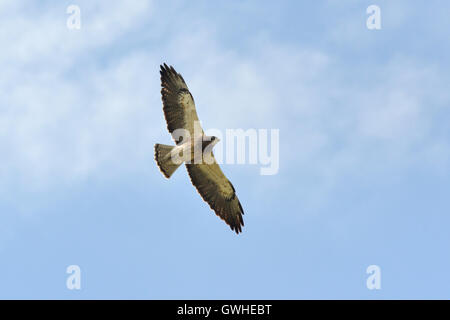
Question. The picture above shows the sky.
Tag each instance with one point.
(364, 149)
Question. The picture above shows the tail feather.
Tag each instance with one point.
(164, 160)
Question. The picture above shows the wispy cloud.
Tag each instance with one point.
(67, 114)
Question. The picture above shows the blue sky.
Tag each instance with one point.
(364, 149)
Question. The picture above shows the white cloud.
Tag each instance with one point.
(61, 119)
(67, 115)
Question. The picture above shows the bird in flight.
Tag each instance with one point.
(204, 172)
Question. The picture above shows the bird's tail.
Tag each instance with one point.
(164, 160)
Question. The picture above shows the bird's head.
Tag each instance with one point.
(214, 139)
(210, 142)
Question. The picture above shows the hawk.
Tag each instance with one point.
(204, 172)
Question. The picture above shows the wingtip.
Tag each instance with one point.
(167, 71)
(237, 227)
(163, 67)
(242, 210)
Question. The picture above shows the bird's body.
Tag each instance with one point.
(195, 150)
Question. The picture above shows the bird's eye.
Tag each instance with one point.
(213, 138)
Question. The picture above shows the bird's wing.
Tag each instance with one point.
(218, 192)
(178, 103)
